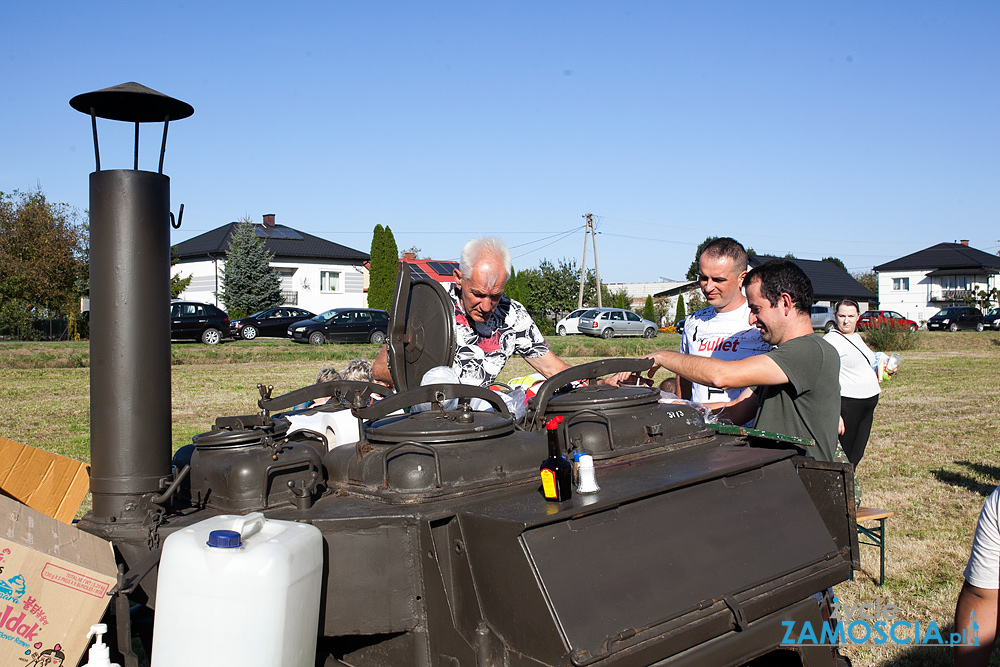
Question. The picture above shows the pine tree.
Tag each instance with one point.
(649, 311)
(681, 313)
(178, 284)
(249, 283)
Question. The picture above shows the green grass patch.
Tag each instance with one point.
(932, 457)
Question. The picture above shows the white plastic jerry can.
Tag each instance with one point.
(241, 590)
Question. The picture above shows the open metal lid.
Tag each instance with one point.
(421, 329)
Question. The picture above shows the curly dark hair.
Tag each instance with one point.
(779, 276)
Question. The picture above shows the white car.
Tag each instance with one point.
(568, 324)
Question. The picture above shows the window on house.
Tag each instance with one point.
(329, 281)
(901, 284)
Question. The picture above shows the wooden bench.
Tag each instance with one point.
(876, 535)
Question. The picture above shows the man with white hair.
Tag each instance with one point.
(489, 327)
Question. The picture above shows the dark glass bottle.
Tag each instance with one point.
(556, 471)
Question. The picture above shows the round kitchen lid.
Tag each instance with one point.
(440, 426)
(431, 420)
(421, 329)
(601, 397)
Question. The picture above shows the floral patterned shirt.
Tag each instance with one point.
(483, 348)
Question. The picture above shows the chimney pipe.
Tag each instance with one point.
(269, 219)
(129, 319)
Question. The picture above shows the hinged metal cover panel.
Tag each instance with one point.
(421, 329)
(613, 576)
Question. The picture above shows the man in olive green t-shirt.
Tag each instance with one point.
(795, 388)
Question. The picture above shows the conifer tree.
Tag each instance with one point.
(681, 314)
(249, 283)
(382, 268)
(649, 311)
(374, 264)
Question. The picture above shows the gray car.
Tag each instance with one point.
(822, 317)
(611, 322)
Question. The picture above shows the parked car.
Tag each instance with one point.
(568, 325)
(991, 320)
(270, 322)
(876, 319)
(342, 325)
(198, 321)
(822, 317)
(610, 322)
(679, 327)
(955, 318)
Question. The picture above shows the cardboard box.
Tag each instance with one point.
(52, 484)
(54, 583)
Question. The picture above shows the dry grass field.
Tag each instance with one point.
(933, 457)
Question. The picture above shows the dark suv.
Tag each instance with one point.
(955, 318)
(198, 321)
(342, 325)
(991, 320)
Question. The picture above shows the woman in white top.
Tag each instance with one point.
(859, 387)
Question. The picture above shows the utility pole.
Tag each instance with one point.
(589, 229)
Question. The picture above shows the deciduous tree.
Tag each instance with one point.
(834, 260)
(41, 256)
(692, 273)
(621, 299)
(869, 279)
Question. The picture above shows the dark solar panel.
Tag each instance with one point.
(416, 273)
(443, 268)
(277, 233)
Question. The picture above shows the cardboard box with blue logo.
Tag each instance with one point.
(54, 578)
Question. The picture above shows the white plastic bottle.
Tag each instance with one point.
(99, 654)
(241, 590)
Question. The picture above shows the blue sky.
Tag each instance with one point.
(863, 130)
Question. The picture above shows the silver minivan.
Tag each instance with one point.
(611, 322)
(823, 317)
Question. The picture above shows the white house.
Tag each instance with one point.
(946, 274)
(663, 291)
(316, 274)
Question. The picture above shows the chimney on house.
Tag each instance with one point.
(964, 242)
(269, 219)
(409, 256)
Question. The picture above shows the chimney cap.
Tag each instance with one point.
(964, 242)
(131, 102)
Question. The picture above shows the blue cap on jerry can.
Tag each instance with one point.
(224, 539)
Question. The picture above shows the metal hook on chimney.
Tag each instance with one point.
(180, 216)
